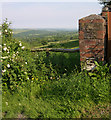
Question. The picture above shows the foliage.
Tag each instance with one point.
(18, 64)
(76, 96)
(39, 86)
(105, 1)
(100, 72)
(43, 37)
(14, 68)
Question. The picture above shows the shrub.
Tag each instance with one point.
(20, 66)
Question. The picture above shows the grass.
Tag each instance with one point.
(69, 97)
(64, 44)
(16, 31)
(64, 62)
(73, 95)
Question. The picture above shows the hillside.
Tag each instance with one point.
(45, 37)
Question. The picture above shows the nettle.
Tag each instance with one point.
(15, 60)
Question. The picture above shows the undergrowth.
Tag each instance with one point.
(39, 86)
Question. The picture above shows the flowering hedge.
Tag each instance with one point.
(15, 58)
(19, 65)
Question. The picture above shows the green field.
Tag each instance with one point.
(37, 85)
(46, 37)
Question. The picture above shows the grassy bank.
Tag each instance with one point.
(75, 96)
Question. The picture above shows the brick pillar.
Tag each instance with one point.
(109, 37)
(106, 13)
(91, 38)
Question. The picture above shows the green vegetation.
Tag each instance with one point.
(66, 44)
(44, 37)
(39, 86)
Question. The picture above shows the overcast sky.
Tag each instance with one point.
(48, 14)
(48, 0)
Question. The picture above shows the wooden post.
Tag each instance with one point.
(109, 36)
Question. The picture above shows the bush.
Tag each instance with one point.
(20, 66)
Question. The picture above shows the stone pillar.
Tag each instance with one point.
(92, 32)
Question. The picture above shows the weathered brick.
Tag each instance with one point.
(100, 34)
(109, 37)
(91, 37)
(81, 35)
(98, 21)
(92, 42)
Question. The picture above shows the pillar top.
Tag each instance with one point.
(92, 17)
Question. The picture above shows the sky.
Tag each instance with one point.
(48, 0)
(36, 14)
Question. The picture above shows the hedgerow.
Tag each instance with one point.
(19, 65)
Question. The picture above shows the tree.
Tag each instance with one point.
(105, 2)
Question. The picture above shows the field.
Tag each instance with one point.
(39, 86)
(46, 37)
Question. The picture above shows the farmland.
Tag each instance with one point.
(46, 37)
(39, 86)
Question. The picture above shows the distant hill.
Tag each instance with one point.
(40, 32)
(42, 37)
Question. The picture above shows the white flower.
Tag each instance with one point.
(25, 62)
(0, 46)
(0, 33)
(20, 44)
(6, 103)
(5, 30)
(28, 78)
(4, 44)
(23, 47)
(4, 57)
(5, 48)
(12, 60)
(51, 78)
(3, 70)
(25, 72)
(8, 65)
(14, 55)
(19, 103)
(17, 52)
